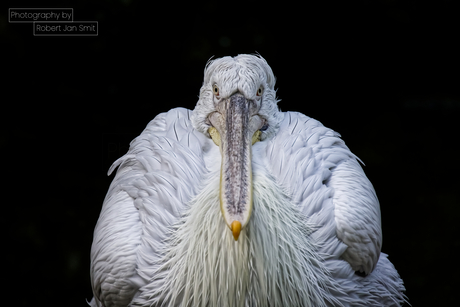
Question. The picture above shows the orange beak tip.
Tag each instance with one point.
(236, 229)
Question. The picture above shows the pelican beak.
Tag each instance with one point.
(235, 129)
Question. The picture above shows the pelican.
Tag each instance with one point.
(239, 204)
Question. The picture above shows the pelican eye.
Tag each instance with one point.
(215, 90)
(260, 91)
(264, 127)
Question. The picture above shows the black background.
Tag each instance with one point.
(384, 74)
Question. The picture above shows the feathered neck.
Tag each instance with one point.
(272, 264)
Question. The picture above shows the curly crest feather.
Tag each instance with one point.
(243, 73)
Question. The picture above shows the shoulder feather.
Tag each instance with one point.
(322, 176)
(147, 196)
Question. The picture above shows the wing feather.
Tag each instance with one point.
(326, 181)
(151, 190)
(147, 196)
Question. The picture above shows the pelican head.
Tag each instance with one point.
(237, 108)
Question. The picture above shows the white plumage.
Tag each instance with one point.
(161, 239)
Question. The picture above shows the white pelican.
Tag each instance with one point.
(238, 204)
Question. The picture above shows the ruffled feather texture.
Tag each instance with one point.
(161, 240)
